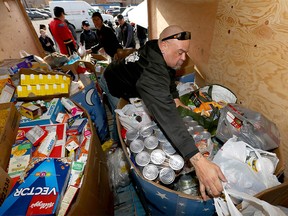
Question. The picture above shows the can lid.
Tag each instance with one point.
(151, 142)
(176, 162)
(136, 146)
(158, 156)
(132, 134)
(161, 137)
(142, 158)
(168, 148)
(187, 119)
(150, 172)
(147, 130)
(167, 175)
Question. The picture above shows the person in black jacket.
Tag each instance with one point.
(106, 37)
(127, 33)
(46, 42)
(87, 36)
(149, 73)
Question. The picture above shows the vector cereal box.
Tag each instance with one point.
(40, 190)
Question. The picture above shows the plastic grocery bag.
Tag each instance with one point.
(250, 126)
(132, 117)
(81, 50)
(242, 173)
(250, 205)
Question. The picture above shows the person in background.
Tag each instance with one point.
(118, 31)
(87, 36)
(149, 73)
(127, 33)
(46, 41)
(42, 26)
(72, 29)
(61, 32)
(141, 34)
(107, 40)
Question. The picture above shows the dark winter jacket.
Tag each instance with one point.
(89, 38)
(127, 35)
(107, 39)
(145, 74)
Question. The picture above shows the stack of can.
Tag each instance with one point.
(201, 137)
(154, 154)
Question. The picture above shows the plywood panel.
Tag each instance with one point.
(241, 44)
(195, 16)
(16, 31)
(249, 55)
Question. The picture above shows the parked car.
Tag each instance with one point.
(36, 15)
(40, 11)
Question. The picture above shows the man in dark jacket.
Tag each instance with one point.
(87, 36)
(150, 75)
(106, 37)
(127, 33)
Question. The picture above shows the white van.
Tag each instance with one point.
(77, 11)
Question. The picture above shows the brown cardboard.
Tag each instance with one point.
(5, 185)
(95, 196)
(73, 67)
(98, 57)
(9, 132)
(17, 31)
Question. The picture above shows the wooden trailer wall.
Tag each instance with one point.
(241, 44)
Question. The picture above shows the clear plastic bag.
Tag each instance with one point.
(118, 168)
(250, 126)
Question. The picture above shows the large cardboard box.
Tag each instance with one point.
(170, 202)
(160, 200)
(9, 118)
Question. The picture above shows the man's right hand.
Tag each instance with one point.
(210, 176)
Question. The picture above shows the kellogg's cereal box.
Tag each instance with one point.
(40, 190)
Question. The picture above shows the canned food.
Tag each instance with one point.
(176, 162)
(142, 158)
(132, 134)
(147, 130)
(136, 146)
(204, 143)
(158, 156)
(167, 175)
(150, 172)
(161, 137)
(187, 119)
(151, 142)
(191, 124)
(168, 148)
(196, 130)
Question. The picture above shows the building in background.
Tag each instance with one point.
(44, 3)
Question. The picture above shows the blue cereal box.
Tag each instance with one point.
(40, 190)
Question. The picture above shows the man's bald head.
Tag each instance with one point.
(170, 30)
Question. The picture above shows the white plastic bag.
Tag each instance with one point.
(132, 117)
(231, 158)
(81, 50)
(250, 205)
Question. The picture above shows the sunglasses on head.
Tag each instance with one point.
(179, 36)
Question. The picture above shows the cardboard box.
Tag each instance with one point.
(169, 202)
(41, 189)
(48, 117)
(37, 90)
(10, 118)
(5, 185)
(73, 67)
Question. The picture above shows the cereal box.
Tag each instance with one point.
(41, 190)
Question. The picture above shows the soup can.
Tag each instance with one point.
(142, 158)
(151, 142)
(131, 135)
(136, 146)
(158, 156)
(167, 175)
(176, 162)
(146, 130)
(168, 148)
(150, 172)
